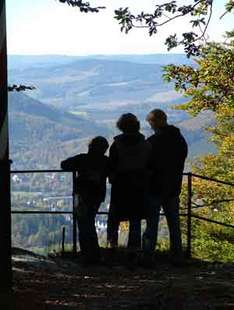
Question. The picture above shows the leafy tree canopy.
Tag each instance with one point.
(210, 84)
(199, 11)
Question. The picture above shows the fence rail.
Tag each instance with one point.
(211, 221)
(189, 213)
(210, 179)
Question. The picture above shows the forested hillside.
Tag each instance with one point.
(41, 136)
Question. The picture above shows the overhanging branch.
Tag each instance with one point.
(84, 7)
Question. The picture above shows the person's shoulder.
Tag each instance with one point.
(175, 131)
(71, 162)
(172, 129)
(151, 138)
(82, 155)
(155, 140)
(117, 142)
(118, 137)
(79, 157)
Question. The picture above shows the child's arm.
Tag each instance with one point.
(70, 164)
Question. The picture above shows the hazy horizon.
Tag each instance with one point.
(103, 54)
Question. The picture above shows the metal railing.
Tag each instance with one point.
(189, 206)
(191, 215)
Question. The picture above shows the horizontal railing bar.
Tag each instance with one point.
(212, 221)
(185, 173)
(211, 179)
(214, 202)
(41, 212)
(69, 212)
(51, 171)
(51, 212)
(38, 171)
(180, 214)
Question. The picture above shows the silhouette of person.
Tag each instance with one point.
(92, 170)
(169, 151)
(129, 156)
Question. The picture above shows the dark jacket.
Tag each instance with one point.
(169, 151)
(92, 174)
(129, 157)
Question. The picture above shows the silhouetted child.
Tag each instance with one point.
(92, 170)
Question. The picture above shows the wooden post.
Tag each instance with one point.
(5, 201)
(189, 213)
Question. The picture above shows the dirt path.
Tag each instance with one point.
(65, 284)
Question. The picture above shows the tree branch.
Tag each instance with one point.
(152, 22)
(83, 6)
(207, 23)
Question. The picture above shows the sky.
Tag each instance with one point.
(37, 27)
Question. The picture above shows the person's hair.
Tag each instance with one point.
(157, 115)
(98, 144)
(128, 123)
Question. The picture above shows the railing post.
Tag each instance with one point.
(63, 241)
(189, 214)
(74, 211)
(5, 199)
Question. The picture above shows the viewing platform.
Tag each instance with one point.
(62, 283)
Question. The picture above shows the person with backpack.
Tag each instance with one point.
(129, 155)
(92, 169)
(169, 151)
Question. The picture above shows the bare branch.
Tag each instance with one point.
(207, 23)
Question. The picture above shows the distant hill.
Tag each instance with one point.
(159, 59)
(22, 103)
(40, 136)
(98, 83)
(20, 62)
(24, 61)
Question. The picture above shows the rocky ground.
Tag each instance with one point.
(120, 282)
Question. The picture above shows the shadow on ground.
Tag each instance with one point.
(118, 282)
